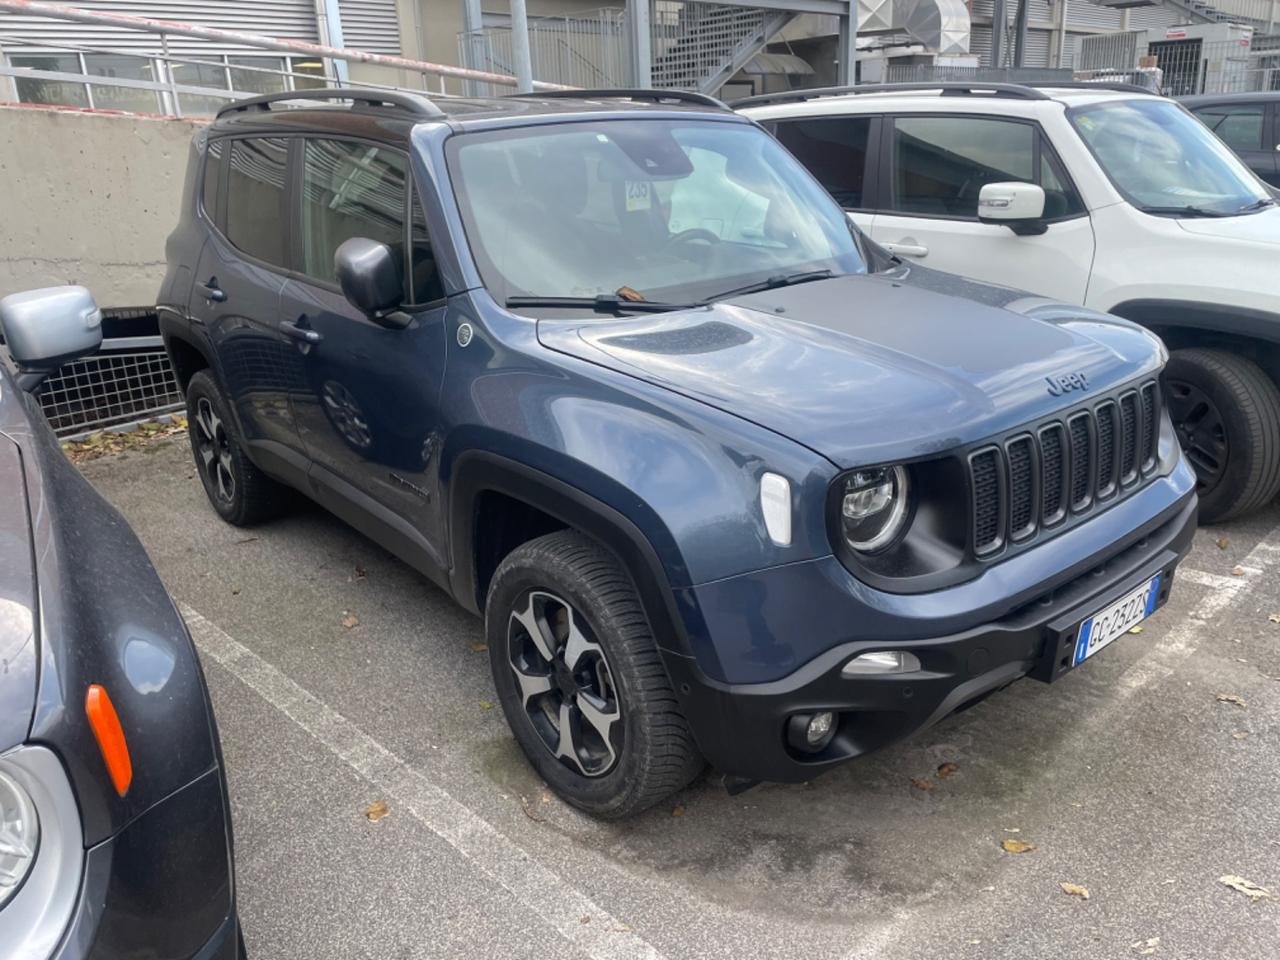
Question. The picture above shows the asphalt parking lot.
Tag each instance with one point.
(341, 678)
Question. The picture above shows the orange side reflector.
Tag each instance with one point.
(106, 727)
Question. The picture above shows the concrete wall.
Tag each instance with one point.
(88, 198)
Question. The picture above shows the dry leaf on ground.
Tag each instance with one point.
(486, 705)
(349, 619)
(921, 784)
(947, 769)
(1145, 947)
(1017, 846)
(1239, 734)
(1232, 698)
(1237, 571)
(1075, 890)
(1223, 543)
(1247, 887)
(678, 810)
(1274, 617)
(109, 441)
(360, 573)
(1137, 629)
(377, 810)
(479, 647)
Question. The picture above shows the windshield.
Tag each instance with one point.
(1164, 160)
(674, 211)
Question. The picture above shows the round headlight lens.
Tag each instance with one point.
(873, 510)
(19, 836)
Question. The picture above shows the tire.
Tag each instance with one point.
(239, 492)
(1226, 411)
(649, 752)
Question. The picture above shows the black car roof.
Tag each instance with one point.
(390, 114)
(1261, 96)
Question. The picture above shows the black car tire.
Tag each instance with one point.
(1245, 404)
(657, 755)
(251, 496)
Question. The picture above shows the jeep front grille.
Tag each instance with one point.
(1031, 480)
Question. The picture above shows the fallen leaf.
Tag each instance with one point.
(1075, 890)
(1017, 846)
(528, 812)
(1232, 698)
(377, 810)
(990, 889)
(235, 591)
(1249, 889)
(1145, 947)
(245, 540)
(919, 784)
(1239, 734)
(1012, 829)
(1237, 571)
(479, 647)
(678, 810)
(584, 919)
(1274, 617)
(486, 705)
(360, 573)
(349, 620)
(947, 769)
(1137, 629)
(1223, 543)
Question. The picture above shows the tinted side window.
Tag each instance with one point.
(835, 151)
(941, 163)
(424, 278)
(1240, 126)
(349, 190)
(1059, 199)
(255, 197)
(212, 174)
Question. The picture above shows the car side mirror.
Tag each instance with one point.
(46, 328)
(1019, 206)
(372, 279)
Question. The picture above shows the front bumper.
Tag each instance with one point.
(741, 728)
(162, 887)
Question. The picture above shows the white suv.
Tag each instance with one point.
(1104, 195)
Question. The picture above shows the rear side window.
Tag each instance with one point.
(256, 216)
(941, 163)
(212, 176)
(1239, 125)
(835, 151)
(350, 190)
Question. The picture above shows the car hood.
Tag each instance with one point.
(872, 368)
(1262, 227)
(17, 602)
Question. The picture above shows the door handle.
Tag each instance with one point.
(212, 291)
(907, 248)
(294, 330)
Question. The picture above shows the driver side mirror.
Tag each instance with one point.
(1019, 206)
(372, 279)
(48, 327)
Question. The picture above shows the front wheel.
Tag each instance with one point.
(580, 679)
(1226, 412)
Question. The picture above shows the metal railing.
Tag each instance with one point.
(1185, 66)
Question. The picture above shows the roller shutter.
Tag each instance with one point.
(370, 25)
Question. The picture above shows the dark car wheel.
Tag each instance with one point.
(1226, 412)
(580, 679)
(240, 492)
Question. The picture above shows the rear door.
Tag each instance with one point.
(1249, 130)
(236, 293)
(839, 152)
(936, 165)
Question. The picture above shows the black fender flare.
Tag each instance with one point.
(1259, 325)
(478, 471)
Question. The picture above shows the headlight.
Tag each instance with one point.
(19, 836)
(873, 510)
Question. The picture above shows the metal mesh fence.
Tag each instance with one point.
(588, 50)
(109, 388)
(926, 72)
(1185, 65)
(692, 39)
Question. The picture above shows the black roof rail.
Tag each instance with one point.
(623, 93)
(1119, 86)
(412, 103)
(953, 88)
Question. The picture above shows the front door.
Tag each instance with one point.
(236, 293)
(369, 415)
(936, 166)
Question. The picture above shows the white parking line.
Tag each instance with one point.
(572, 914)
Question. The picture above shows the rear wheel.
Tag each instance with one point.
(1226, 412)
(241, 493)
(580, 679)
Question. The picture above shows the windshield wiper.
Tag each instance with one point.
(1190, 210)
(772, 283)
(604, 303)
(1261, 204)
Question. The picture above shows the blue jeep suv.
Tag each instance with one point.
(727, 482)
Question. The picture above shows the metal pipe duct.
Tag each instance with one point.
(940, 25)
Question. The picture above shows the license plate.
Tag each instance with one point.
(1103, 627)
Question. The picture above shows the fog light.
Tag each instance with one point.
(881, 662)
(811, 732)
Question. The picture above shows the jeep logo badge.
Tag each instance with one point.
(1066, 383)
